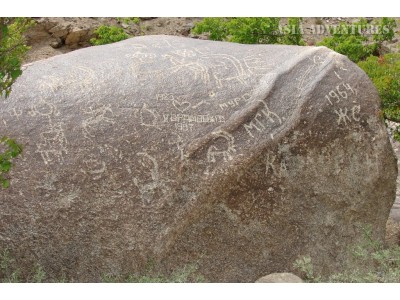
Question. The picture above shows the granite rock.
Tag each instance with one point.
(238, 158)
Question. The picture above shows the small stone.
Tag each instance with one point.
(56, 43)
(77, 35)
(280, 278)
(189, 25)
(60, 30)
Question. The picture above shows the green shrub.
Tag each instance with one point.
(251, 30)
(7, 272)
(352, 39)
(216, 27)
(349, 40)
(306, 268)
(108, 34)
(39, 275)
(386, 30)
(12, 150)
(293, 34)
(10, 274)
(385, 74)
(129, 20)
(372, 262)
(12, 50)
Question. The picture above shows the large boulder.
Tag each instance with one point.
(236, 158)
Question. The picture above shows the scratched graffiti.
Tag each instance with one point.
(345, 96)
(265, 117)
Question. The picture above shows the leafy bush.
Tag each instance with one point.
(12, 50)
(385, 74)
(7, 272)
(12, 151)
(306, 268)
(216, 27)
(108, 35)
(386, 31)
(251, 30)
(129, 20)
(351, 39)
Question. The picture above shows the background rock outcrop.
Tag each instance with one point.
(239, 158)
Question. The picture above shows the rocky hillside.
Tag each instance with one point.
(53, 36)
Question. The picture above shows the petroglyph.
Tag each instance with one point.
(142, 57)
(52, 145)
(318, 60)
(181, 102)
(15, 113)
(258, 64)
(304, 78)
(185, 53)
(151, 187)
(148, 117)
(219, 64)
(196, 68)
(94, 166)
(97, 114)
(84, 76)
(179, 142)
(43, 108)
(47, 182)
(225, 149)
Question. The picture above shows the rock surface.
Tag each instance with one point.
(238, 158)
(280, 278)
(392, 237)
